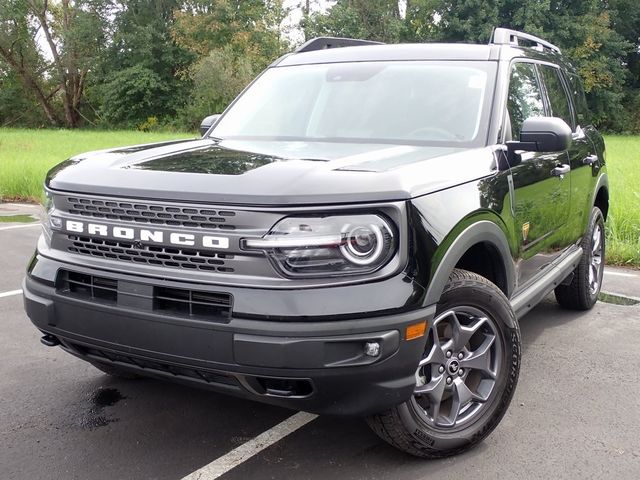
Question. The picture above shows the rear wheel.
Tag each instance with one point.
(582, 292)
(467, 375)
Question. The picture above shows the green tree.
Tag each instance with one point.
(625, 17)
(234, 40)
(598, 52)
(142, 65)
(217, 79)
(17, 106)
(378, 20)
(249, 27)
(132, 95)
(73, 32)
(452, 21)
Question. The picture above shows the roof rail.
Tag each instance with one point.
(323, 43)
(504, 36)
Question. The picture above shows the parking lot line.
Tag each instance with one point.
(28, 225)
(254, 446)
(620, 274)
(10, 293)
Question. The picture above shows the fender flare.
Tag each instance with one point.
(603, 181)
(481, 231)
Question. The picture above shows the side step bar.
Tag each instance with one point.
(525, 300)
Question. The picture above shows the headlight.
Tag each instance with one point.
(328, 245)
(45, 213)
(47, 220)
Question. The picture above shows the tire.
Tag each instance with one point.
(418, 426)
(582, 292)
(114, 371)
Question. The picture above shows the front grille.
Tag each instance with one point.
(151, 255)
(90, 287)
(152, 213)
(198, 220)
(177, 302)
(184, 302)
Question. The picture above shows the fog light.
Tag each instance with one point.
(372, 349)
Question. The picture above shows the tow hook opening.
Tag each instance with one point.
(50, 340)
(284, 387)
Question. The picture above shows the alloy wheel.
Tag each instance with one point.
(596, 264)
(457, 375)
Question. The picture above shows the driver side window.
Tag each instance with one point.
(525, 97)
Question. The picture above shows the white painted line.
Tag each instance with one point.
(620, 274)
(254, 446)
(10, 293)
(21, 226)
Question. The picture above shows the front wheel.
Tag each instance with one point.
(466, 378)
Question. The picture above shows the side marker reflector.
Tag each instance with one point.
(415, 331)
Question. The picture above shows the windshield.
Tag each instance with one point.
(413, 102)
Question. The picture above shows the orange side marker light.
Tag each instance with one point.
(415, 330)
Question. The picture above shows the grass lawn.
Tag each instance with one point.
(623, 224)
(26, 156)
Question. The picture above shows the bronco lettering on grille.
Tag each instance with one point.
(149, 236)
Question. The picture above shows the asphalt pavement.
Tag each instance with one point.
(575, 414)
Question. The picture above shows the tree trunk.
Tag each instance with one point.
(66, 74)
(31, 85)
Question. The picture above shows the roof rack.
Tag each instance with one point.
(323, 43)
(504, 36)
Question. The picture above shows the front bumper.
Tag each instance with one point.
(305, 364)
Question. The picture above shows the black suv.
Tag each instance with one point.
(357, 234)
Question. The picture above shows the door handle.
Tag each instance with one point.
(590, 160)
(560, 170)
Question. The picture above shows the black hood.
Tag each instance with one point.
(270, 173)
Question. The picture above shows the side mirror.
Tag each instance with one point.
(207, 123)
(541, 134)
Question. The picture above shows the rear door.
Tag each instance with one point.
(541, 194)
(582, 155)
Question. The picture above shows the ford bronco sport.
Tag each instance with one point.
(357, 234)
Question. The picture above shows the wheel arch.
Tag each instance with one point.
(601, 195)
(479, 237)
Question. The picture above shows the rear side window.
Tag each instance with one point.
(525, 96)
(557, 94)
(579, 100)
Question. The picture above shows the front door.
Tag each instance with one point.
(541, 180)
